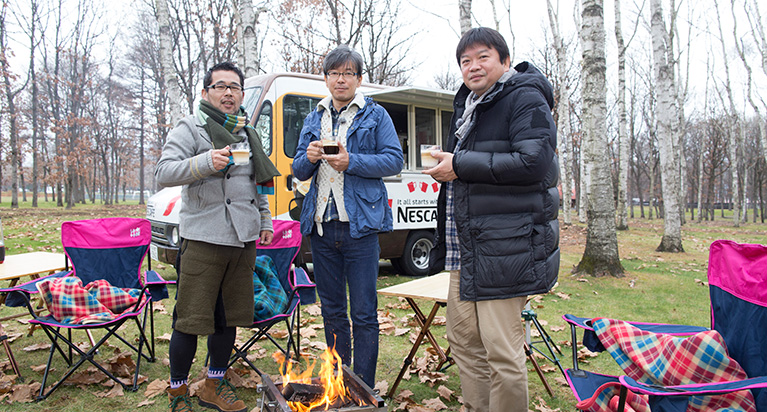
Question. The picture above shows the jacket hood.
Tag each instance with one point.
(526, 75)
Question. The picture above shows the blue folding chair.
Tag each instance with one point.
(112, 249)
(299, 289)
(737, 276)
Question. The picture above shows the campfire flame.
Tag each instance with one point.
(331, 381)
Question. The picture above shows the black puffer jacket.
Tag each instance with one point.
(505, 197)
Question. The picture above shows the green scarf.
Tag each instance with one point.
(222, 129)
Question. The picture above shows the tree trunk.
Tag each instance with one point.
(10, 96)
(667, 118)
(464, 15)
(248, 18)
(166, 58)
(563, 115)
(600, 256)
(623, 157)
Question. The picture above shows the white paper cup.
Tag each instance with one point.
(427, 160)
(240, 153)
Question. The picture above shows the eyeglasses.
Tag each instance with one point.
(346, 75)
(220, 87)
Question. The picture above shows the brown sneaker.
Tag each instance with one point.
(219, 394)
(179, 399)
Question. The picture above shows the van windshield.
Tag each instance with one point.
(252, 94)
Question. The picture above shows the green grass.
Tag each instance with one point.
(656, 287)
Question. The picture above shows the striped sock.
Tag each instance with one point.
(216, 373)
(178, 384)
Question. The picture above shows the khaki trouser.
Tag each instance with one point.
(487, 342)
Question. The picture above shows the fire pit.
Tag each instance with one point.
(358, 396)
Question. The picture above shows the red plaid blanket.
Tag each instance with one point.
(71, 303)
(667, 360)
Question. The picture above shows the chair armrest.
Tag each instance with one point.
(157, 285)
(304, 286)
(698, 389)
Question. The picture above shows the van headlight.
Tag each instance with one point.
(173, 236)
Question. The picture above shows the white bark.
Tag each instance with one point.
(583, 198)
(732, 123)
(563, 113)
(667, 131)
(600, 256)
(166, 58)
(247, 40)
(760, 40)
(623, 152)
(464, 15)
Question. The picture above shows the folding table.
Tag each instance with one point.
(434, 289)
(14, 268)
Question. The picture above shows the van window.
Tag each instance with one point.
(446, 116)
(263, 127)
(425, 130)
(398, 114)
(294, 111)
(252, 94)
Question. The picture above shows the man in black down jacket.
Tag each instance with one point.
(497, 230)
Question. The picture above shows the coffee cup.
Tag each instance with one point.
(330, 147)
(240, 153)
(427, 160)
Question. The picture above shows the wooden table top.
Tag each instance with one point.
(430, 288)
(33, 263)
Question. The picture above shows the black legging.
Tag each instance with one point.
(183, 348)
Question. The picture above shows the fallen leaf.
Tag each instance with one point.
(155, 388)
(382, 387)
(435, 404)
(116, 391)
(444, 392)
(145, 402)
(37, 346)
(313, 310)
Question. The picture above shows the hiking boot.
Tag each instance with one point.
(179, 399)
(219, 394)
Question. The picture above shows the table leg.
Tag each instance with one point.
(424, 330)
(7, 346)
(420, 318)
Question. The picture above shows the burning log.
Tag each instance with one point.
(302, 392)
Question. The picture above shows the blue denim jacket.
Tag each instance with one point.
(374, 152)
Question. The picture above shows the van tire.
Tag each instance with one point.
(415, 255)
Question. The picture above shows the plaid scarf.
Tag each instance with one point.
(223, 128)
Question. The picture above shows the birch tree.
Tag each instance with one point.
(247, 19)
(623, 153)
(667, 122)
(563, 113)
(166, 59)
(464, 15)
(735, 127)
(600, 256)
(11, 93)
(760, 43)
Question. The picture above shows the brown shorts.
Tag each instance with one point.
(215, 287)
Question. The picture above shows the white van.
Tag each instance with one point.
(278, 104)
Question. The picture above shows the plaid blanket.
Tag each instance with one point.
(71, 303)
(268, 294)
(667, 360)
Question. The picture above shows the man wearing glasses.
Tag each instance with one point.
(226, 211)
(347, 205)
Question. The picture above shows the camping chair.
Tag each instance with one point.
(111, 249)
(737, 275)
(297, 286)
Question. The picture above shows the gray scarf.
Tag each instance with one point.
(466, 122)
